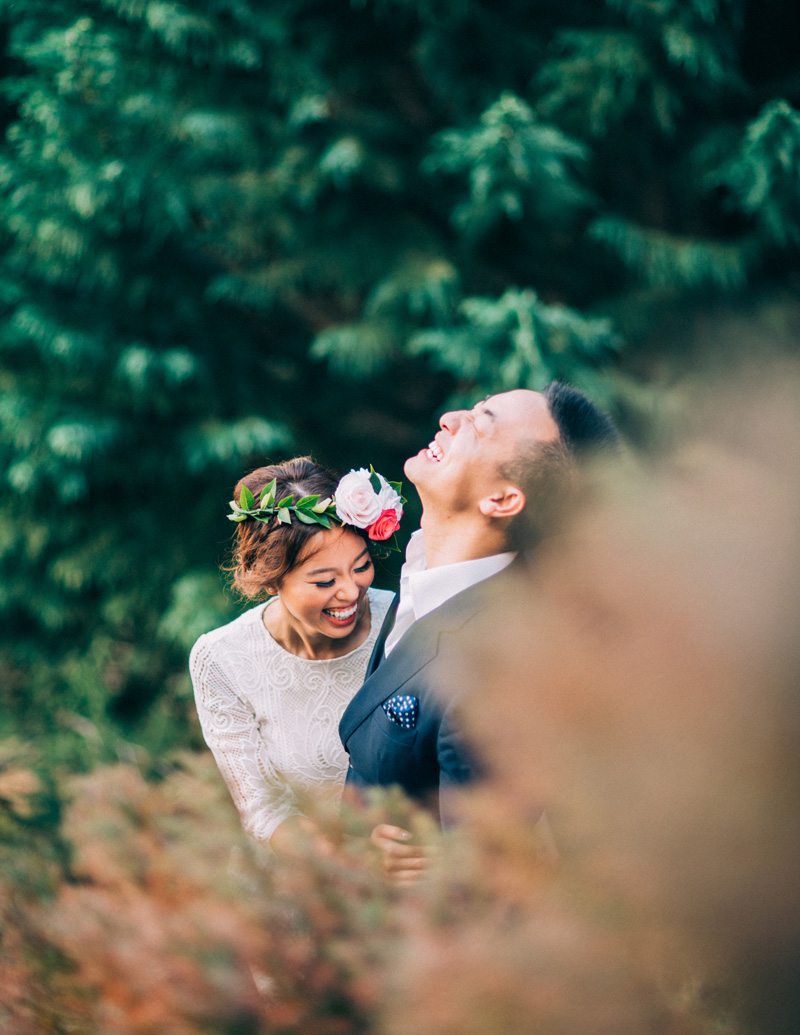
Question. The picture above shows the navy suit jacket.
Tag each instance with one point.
(432, 757)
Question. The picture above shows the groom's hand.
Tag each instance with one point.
(401, 862)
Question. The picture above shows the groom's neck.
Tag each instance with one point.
(450, 539)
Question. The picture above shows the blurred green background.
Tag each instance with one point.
(235, 230)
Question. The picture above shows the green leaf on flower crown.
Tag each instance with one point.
(246, 499)
(236, 517)
(268, 494)
(383, 548)
(307, 500)
(322, 506)
(287, 501)
(321, 519)
(374, 480)
(284, 516)
(306, 519)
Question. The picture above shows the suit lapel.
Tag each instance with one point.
(388, 624)
(418, 646)
(415, 650)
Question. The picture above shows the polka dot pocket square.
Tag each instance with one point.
(402, 710)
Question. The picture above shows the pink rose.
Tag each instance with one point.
(357, 502)
(386, 525)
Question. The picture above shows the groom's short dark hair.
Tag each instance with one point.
(583, 427)
(549, 472)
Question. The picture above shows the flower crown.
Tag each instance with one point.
(363, 499)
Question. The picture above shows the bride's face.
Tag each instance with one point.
(326, 591)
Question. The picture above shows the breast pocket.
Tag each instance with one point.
(395, 753)
(395, 734)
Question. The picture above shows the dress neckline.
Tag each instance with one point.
(367, 641)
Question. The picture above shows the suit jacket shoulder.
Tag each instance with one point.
(383, 753)
(417, 648)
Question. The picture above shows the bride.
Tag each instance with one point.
(271, 686)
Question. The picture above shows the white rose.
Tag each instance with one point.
(389, 499)
(357, 503)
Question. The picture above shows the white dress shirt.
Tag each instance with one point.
(422, 589)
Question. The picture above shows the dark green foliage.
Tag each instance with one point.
(239, 229)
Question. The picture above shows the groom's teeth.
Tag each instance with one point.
(435, 452)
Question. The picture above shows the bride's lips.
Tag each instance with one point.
(341, 617)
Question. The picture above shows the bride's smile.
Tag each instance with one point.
(321, 607)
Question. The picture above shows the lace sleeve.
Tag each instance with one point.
(231, 731)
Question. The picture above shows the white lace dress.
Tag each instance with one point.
(271, 719)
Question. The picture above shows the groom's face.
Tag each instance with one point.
(462, 463)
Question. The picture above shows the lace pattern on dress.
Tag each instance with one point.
(271, 719)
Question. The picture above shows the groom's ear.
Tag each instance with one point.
(505, 502)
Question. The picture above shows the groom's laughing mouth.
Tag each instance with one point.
(434, 452)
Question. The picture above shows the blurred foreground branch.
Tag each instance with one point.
(643, 695)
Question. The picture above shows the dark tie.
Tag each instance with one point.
(388, 624)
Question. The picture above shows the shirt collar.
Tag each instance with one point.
(428, 588)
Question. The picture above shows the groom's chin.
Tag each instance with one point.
(412, 467)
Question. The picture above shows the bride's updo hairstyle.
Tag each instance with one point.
(264, 552)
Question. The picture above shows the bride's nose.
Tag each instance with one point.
(348, 590)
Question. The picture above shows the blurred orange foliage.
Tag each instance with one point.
(627, 867)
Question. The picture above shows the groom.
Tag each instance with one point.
(487, 482)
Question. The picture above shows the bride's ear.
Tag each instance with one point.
(506, 502)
